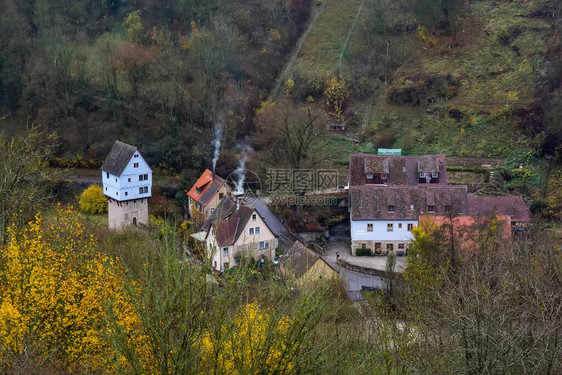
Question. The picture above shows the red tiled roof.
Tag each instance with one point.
(513, 206)
(207, 186)
(402, 170)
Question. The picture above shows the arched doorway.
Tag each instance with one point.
(134, 221)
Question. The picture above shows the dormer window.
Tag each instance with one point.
(430, 208)
(135, 165)
(391, 208)
(384, 176)
(422, 175)
(447, 209)
(198, 190)
(411, 207)
(369, 176)
(434, 174)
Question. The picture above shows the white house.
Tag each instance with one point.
(234, 230)
(382, 218)
(127, 184)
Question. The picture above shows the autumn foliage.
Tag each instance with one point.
(253, 342)
(58, 295)
(92, 201)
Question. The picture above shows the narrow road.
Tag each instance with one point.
(283, 75)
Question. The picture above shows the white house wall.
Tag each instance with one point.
(360, 235)
(121, 189)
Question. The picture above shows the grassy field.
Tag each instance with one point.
(321, 50)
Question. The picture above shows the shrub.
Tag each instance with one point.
(363, 252)
(92, 201)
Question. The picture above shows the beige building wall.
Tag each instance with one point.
(122, 214)
(320, 270)
(249, 244)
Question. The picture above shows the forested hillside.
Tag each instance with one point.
(158, 74)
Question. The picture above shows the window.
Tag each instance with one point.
(447, 209)
(363, 245)
(410, 227)
(391, 208)
(389, 227)
(146, 189)
(146, 177)
(129, 179)
(254, 217)
(126, 193)
(257, 230)
(434, 174)
(263, 245)
(143, 177)
(140, 190)
(401, 246)
(422, 175)
(135, 165)
(384, 176)
(399, 225)
(377, 247)
(251, 231)
(389, 247)
(369, 227)
(411, 207)
(370, 176)
(115, 180)
(117, 193)
(225, 251)
(430, 208)
(221, 195)
(403, 169)
(212, 211)
(106, 188)
(136, 155)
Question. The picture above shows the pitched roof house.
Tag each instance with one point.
(207, 192)
(236, 228)
(305, 266)
(388, 194)
(127, 183)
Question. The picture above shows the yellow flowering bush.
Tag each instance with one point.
(92, 201)
(336, 93)
(58, 296)
(254, 343)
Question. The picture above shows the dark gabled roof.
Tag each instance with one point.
(229, 222)
(402, 170)
(299, 258)
(271, 219)
(513, 206)
(372, 202)
(118, 158)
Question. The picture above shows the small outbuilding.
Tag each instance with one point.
(305, 266)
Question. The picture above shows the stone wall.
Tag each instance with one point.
(126, 213)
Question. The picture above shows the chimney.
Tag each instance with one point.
(238, 197)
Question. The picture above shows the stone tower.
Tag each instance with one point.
(127, 184)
